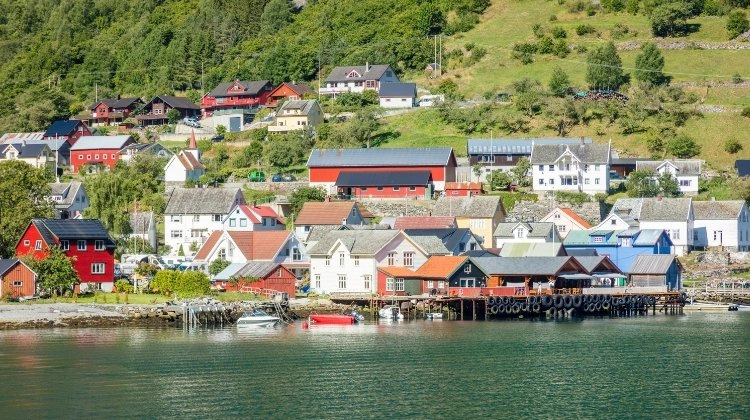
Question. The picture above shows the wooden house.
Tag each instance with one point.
(16, 279)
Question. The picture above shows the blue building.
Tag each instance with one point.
(621, 246)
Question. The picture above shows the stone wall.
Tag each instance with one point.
(527, 211)
(398, 207)
(723, 258)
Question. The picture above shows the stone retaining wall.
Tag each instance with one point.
(528, 211)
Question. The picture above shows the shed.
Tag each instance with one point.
(656, 271)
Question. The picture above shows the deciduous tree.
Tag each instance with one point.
(604, 68)
(649, 64)
(23, 196)
(55, 271)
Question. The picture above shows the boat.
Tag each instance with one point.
(434, 315)
(734, 307)
(257, 318)
(336, 319)
(390, 312)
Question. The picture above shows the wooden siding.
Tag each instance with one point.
(19, 273)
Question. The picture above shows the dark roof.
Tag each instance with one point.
(398, 90)
(7, 264)
(175, 102)
(116, 103)
(376, 71)
(438, 156)
(26, 150)
(250, 88)
(72, 229)
(477, 253)
(382, 179)
(581, 252)
(203, 200)
(62, 128)
(515, 146)
(742, 166)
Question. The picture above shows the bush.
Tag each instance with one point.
(537, 30)
(737, 24)
(545, 45)
(511, 198)
(577, 7)
(585, 29)
(619, 31)
(524, 52)
(576, 198)
(123, 286)
(183, 284)
(732, 146)
(558, 32)
(737, 79)
(553, 18)
(745, 112)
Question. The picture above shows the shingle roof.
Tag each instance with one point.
(358, 242)
(599, 263)
(477, 206)
(208, 245)
(16, 137)
(116, 103)
(101, 142)
(67, 190)
(140, 221)
(424, 222)
(299, 89)
(324, 213)
(398, 90)
(655, 208)
(589, 153)
(7, 264)
(251, 88)
(684, 167)
(717, 210)
(259, 244)
(521, 265)
(254, 213)
(338, 74)
(394, 271)
(515, 146)
(440, 267)
(72, 229)
(652, 264)
(27, 150)
(439, 156)
(202, 200)
(536, 229)
(62, 128)
(742, 166)
(304, 105)
(383, 179)
(532, 249)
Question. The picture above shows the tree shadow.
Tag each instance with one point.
(384, 137)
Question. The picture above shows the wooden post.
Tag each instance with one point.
(474, 309)
(462, 308)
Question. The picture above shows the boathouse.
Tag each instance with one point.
(260, 277)
(658, 272)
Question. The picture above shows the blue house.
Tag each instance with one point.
(621, 246)
(656, 271)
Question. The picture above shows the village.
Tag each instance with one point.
(390, 223)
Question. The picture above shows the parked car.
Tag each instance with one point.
(191, 122)
(289, 178)
(277, 178)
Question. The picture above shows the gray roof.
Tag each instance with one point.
(581, 252)
(515, 146)
(521, 265)
(450, 238)
(476, 206)
(67, 190)
(305, 106)
(590, 263)
(141, 221)
(16, 137)
(376, 71)
(178, 102)
(432, 245)
(717, 210)
(52, 144)
(27, 150)
(648, 237)
(536, 229)
(684, 167)
(652, 264)
(228, 272)
(587, 153)
(203, 200)
(398, 90)
(252, 88)
(655, 208)
(317, 232)
(116, 103)
(532, 249)
(439, 156)
(7, 264)
(150, 148)
(358, 242)
(101, 142)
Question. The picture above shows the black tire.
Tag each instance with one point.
(621, 301)
(536, 308)
(577, 301)
(606, 305)
(628, 300)
(494, 309)
(652, 300)
(525, 307)
(507, 301)
(608, 299)
(559, 302)
(552, 311)
(491, 300)
(597, 307)
(547, 301)
(586, 299)
(516, 309)
(589, 307)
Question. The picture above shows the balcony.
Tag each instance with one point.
(334, 90)
(284, 128)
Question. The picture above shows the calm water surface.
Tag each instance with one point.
(691, 366)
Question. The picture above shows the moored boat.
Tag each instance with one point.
(390, 312)
(257, 318)
(434, 315)
(336, 319)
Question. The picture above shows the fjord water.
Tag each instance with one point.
(689, 366)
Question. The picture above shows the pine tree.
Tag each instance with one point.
(604, 68)
(649, 65)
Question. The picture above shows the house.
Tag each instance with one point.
(143, 227)
(252, 217)
(157, 109)
(398, 95)
(97, 150)
(287, 92)
(346, 261)
(463, 189)
(378, 184)
(723, 224)
(256, 276)
(685, 172)
(480, 213)
(565, 220)
(113, 110)
(327, 165)
(445, 241)
(657, 272)
(85, 241)
(16, 279)
(604, 272)
(185, 166)
(525, 232)
(193, 213)
(503, 154)
(674, 215)
(236, 95)
(69, 198)
(66, 130)
(326, 213)
(622, 246)
(533, 273)
(297, 115)
(743, 167)
(153, 149)
(622, 167)
(424, 222)
(574, 168)
(357, 79)
(533, 249)
(438, 276)
(238, 246)
(59, 150)
(37, 155)
(19, 137)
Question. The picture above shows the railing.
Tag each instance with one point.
(259, 291)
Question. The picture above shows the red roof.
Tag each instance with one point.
(584, 224)
(207, 246)
(265, 211)
(324, 213)
(463, 186)
(260, 245)
(440, 266)
(424, 222)
(397, 271)
(189, 161)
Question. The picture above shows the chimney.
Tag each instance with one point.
(367, 66)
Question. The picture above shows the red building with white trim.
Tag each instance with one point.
(237, 95)
(462, 189)
(86, 241)
(16, 279)
(95, 150)
(287, 91)
(67, 130)
(264, 277)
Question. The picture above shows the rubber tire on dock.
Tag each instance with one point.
(568, 301)
(559, 302)
(524, 307)
(621, 301)
(494, 309)
(547, 301)
(577, 301)
(589, 307)
(651, 300)
(491, 300)
(606, 305)
(516, 308)
(536, 308)
(507, 301)
(608, 299)
(597, 306)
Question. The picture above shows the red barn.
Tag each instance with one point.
(384, 172)
(68, 130)
(287, 91)
(16, 279)
(94, 150)
(84, 240)
(257, 277)
(462, 189)
(238, 94)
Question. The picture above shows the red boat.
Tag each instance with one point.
(332, 319)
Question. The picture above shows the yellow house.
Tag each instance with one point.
(297, 115)
(480, 213)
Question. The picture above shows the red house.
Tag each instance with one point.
(98, 150)
(16, 279)
(67, 130)
(440, 275)
(287, 91)
(264, 277)
(239, 94)
(404, 172)
(113, 110)
(84, 240)
(462, 189)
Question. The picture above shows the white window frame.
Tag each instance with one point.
(389, 284)
(98, 268)
(98, 245)
(399, 283)
(38, 245)
(342, 281)
(64, 245)
(367, 280)
(78, 245)
(408, 259)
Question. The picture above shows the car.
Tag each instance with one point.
(289, 178)
(277, 178)
(218, 137)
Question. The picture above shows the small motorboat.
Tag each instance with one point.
(390, 312)
(434, 315)
(734, 307)
(257, 318)
(337, 319)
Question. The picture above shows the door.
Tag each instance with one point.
(235, 124)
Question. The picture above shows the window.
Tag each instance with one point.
(399, 285)
(467, 282)
(176, 219)
(80, 157)
(97, 268)
(232, 222)
(88, 157)
(328, 260)
(367, 281)
(380, 188)
(243, 222)
(307, 228)
(473, 246)
(342, 281)
(391, 258)
(96, 157)
(216, 218)
(467, 268)
(509, 158)
(430, 284)
(552, 168)
(614, 222)
(341, 259)
(684, 182)
(176, 234)
(388, 284)
(519, 233)
(196, 218)
(541, 168)
(222, 254)
(412, 188)
(598, 239)
(586, 181)
(462, 246)
(17, 284)
(408, 259)
(562, 228)
(441, 284)
(113, 156)
(99, 245)
(396, 188)
(585, 168)
(296, 255)
(557, 215)
(676, 234)
(356, 260)
(317, 281)
(64, 245)
(81, 245)
(596, 181)
(551, 181)
(541, 181)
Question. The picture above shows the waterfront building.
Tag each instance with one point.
(656, 273)
(523, 232)
(17, 279)
(481, 214)
(446, 241)
(256, 277)
(621, 246)
(674, 215)
(565, 220)
(722, 224)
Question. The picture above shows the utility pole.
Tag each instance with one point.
(203, 90)
(440, 57)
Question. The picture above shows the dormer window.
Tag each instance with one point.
(353, 74)
(598, 239)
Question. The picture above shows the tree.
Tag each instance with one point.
(276, 15)
(146, 269)
(683, 146)
(520, 173)
(217, 266)
(668, 185)
(249, 155)
(732, 146)
(559, 83)
(477, 169)
(23, 196)
(363, 126)
(604, 68)
(55, 271)
(500, 180)
(562, 114)
(649, 65)
(173, 116)
(221, 130)
(669, 19)
(737, 24)
(301, 195)
(641, 183)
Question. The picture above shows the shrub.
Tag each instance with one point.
(524, 52)
(584, 29)
(537, 30)
(745, 112)
(553, 18)
(576, 198)
(591, 10)
(558, 32)
(469, 46)
(577, 7)
(123, 286)
(737, 78)
(732, 146)
(619, 31)
(560, 48)
(737, 24)
(545, 45)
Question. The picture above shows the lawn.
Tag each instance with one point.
(133, 299)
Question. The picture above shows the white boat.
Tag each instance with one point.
(434, 315)
(257, 318)
(390, 312)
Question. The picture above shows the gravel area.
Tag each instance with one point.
(54, 312)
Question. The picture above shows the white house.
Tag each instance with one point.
(249, 217)
(686, 172)
(193, 213)
(69, 198)
(724, 224)
(357, 79)
(565, 220)
(185, 165)
(522, 232)
(36, 155)
(575, 168)
(154, 149)
(673, 215)
(237, 246)
(398, 95)
(326, 213)
(346, 261)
